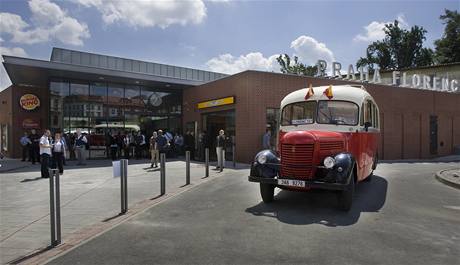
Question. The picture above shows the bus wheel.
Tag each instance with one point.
(345, 197)
(267, 192)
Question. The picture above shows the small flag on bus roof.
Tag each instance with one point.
(328, 92)
(310, 92)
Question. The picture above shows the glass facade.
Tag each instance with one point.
(98, 108)
(272, 123)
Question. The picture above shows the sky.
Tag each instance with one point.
(221, 35)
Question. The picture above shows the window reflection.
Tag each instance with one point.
(59, 90)
(100, 107)
(78, 106)
(97, 104)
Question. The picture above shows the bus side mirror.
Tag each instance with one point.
(367, 124)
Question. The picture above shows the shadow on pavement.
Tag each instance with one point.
(320, 206)
(28, 180)
(23, 167)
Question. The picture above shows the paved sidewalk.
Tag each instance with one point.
(8, 164)
(450, 177)
(89, 195)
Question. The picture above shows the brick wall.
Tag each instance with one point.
(404, 112)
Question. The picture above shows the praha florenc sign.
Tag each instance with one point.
(417, 81)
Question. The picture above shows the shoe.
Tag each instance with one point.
(151, 165)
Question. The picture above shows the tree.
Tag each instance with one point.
(448, 46)
(296, 68)
(400, 48)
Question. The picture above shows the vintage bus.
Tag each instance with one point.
(328, 139)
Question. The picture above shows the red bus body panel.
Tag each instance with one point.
(302, 151)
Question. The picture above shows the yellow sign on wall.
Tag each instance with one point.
(216, 102)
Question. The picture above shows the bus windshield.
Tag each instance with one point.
(337, 112)
(299, 113)
(323, 111)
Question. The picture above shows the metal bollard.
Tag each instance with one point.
(124, 185)
(55, 207)
(206, 161)
(163, 173)
(233, 156)
(187, 167)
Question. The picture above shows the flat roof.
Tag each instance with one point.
(69, 64)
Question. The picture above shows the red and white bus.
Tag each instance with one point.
(328, 139)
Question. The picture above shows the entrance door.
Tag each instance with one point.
(213, 123)
(434, 135)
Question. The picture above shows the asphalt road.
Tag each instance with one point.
(403, 216)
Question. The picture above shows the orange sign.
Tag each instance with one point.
(29, 102)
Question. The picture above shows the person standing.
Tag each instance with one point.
(142, 145)
(45, 153)
(65, 140)
(189, 141)
(220, 150)
(162, 142)
(80, 147)
(34, 147)
(154, 150)
(71, 146)
(126, 145)
(266, 139)
(204, 143)
(178, 143)
(119, 139)
(25, 143)
(113, 146)
(138, 140)
(59, 152)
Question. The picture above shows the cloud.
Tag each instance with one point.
(49, 22)
(374, 31)
(308, 49)
(15, 51)
(227, 63)
(149, 13)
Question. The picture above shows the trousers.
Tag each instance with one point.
(80, 150)
(220, 157)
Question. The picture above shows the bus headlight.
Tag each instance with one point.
(329, 162)
(262, 158)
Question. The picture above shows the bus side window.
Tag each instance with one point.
(368, 112)
(375, 116)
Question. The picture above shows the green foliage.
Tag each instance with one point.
(296, 67)
(400, 48)
(448, 47)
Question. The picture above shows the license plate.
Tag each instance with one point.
(291, 182)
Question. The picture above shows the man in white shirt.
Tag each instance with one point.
(45, 153)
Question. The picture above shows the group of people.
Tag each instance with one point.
(50, 151)
(135, 145)
(173, 145)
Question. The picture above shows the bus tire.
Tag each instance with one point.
(345, 197)
(267, 192)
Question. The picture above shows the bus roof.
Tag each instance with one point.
(352, 93)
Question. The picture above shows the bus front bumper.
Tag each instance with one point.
(299, 183)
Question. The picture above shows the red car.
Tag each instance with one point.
(328, 139)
